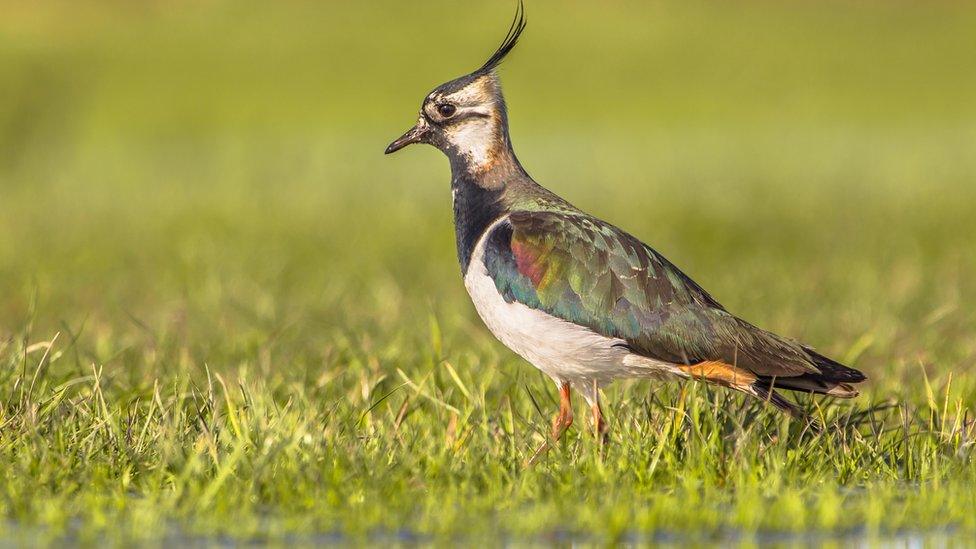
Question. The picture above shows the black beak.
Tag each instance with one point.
(416, 134)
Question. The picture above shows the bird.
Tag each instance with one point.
(583, 301)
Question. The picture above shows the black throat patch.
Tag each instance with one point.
(475, 208)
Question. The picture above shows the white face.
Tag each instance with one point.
(475, 139)
(470, 120)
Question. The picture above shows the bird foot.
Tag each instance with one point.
(562, 421)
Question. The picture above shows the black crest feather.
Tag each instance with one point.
(514, 31)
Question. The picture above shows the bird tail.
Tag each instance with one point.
(834, 378)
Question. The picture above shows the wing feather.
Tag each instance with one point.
(591, 273)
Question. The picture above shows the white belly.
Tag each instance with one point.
(565, 351)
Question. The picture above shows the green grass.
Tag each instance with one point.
(225, 315)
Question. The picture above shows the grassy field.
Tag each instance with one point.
(225, 315)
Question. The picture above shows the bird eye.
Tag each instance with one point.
(446, 110)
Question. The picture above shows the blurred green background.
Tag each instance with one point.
(207, 167)
(196, 187)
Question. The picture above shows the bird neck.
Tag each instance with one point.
(481, 197)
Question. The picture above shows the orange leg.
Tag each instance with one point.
(600, 427)
(560, 423)
(564, 418)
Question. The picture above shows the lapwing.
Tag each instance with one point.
(577, 297)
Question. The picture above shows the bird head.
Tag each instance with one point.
(466, 117)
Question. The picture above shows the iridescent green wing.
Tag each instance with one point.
(585, 271)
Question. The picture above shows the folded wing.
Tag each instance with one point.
(591, 273)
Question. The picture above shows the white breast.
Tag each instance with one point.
(563, 350)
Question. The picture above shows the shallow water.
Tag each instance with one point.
(30, 536)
